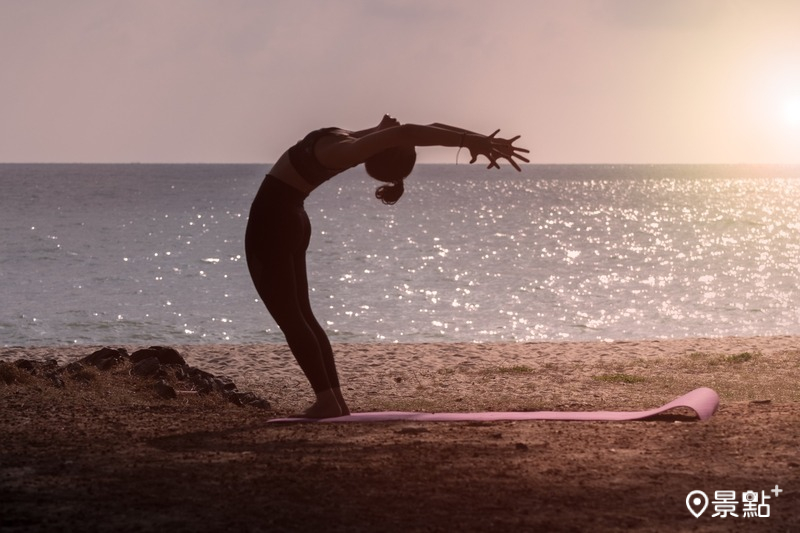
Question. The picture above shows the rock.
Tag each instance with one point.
(165, 355)
(37, 368)
(224, 385)
(26, 365)
(73, 367)
(181, 372)
(156, 362)
(260, 403)
(196, 373)
(147, 367)
(248, 399)
(202, 381)
(105, 358)
(165, 391)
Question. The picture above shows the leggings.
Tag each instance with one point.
(277, 237)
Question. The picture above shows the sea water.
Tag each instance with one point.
(153, 254)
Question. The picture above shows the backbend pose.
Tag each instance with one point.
(278, 230)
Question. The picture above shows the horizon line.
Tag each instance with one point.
(521, 164)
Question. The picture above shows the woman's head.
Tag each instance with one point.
(391, 166)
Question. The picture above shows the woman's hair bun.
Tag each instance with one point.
(390, 193)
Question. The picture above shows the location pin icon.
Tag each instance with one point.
(697, 502)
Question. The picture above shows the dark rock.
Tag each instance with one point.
(147, 367)
(37, 368)
(260, 403)
(25, 364)
(165, 355)
(202, 381)
(165, 391)
(73, 367)
(181, 373)
(248, 399)
(195, 373)
(148, 363)
(105, 358)
(224, 384)
(202, 386)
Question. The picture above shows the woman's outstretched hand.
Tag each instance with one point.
(494, 148)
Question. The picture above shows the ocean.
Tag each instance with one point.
(153, 254)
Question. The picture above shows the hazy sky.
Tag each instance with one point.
(583, 81)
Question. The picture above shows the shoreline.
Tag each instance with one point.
(672, 344)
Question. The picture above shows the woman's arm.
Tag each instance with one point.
(497, 148)
(448, 127)
(386, 122)
(353, 151)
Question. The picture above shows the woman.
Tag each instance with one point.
(278, 230)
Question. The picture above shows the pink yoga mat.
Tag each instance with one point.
(702, 401)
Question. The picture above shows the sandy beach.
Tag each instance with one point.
(106, 453)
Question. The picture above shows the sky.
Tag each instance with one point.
(238, 81)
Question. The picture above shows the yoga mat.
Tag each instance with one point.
(703, 401)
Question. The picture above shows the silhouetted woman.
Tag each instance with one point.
(278, 230)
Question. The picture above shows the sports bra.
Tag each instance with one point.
(305, 162)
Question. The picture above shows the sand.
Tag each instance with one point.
(108, 454)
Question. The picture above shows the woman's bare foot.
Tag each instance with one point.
(340, 400)
(326, 406)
